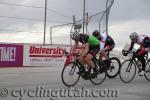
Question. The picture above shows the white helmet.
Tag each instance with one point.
(133, 35)
(74, 35)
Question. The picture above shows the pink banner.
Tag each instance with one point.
(11, 55)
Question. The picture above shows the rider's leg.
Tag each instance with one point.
(92, 52)
(82, 60)
(82, 57)
(140, 57)
(142, 60)
(106, 61)
(91, 64)
(105, 56)
(141, 53)
(105, 50)
(89, 61)
(102, 56)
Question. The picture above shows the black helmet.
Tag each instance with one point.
(96, 33)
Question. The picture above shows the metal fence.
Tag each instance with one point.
(60, 34)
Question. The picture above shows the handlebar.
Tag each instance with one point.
(131, 52)
(72, 54)
(126, 52)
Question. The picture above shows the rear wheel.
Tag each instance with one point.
(69, 74)
(114, 67)
(100, 77)
(147, 70)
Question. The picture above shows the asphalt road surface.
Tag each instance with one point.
(44, 83)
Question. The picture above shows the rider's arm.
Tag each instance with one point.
(131, 46)
(85, 51)
(104, 49)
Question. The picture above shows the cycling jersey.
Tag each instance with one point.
(106, 40)
(142, 40)
(83, 38)
(93, 41)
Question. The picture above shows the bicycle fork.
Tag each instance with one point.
(72, 69)
(129, 66)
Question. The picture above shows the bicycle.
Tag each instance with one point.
(129, 68)
(75, 69)
(114, 68)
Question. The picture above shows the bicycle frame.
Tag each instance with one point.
(130, 64)
(135, 60)
(70, 57)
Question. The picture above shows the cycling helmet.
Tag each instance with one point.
(133, 35)
(96, 33)
(74, 35)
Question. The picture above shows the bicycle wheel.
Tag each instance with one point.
(101, 75)
(127, 71)
(147, 70)
(114, 68)
(69, 74)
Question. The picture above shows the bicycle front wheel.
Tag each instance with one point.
(70, 75)
(127, 71)
(147, 70)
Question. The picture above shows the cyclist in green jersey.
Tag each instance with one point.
(91, 47)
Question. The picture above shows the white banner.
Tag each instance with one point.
(44, 55)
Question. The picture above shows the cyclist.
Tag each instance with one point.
(144, 42)
(91, 48)
(106, 45)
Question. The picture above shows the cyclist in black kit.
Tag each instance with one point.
(91, 48)
(106, 44)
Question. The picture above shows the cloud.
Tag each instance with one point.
(124, 10)
(22, 37)
(126, 16)
(121, 31)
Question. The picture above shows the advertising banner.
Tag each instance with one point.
(11, 55)
(44, 55)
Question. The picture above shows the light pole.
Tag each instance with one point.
(107, 17)
(83, 15)
(45, 21)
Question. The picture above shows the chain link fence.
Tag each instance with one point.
(60, 34)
